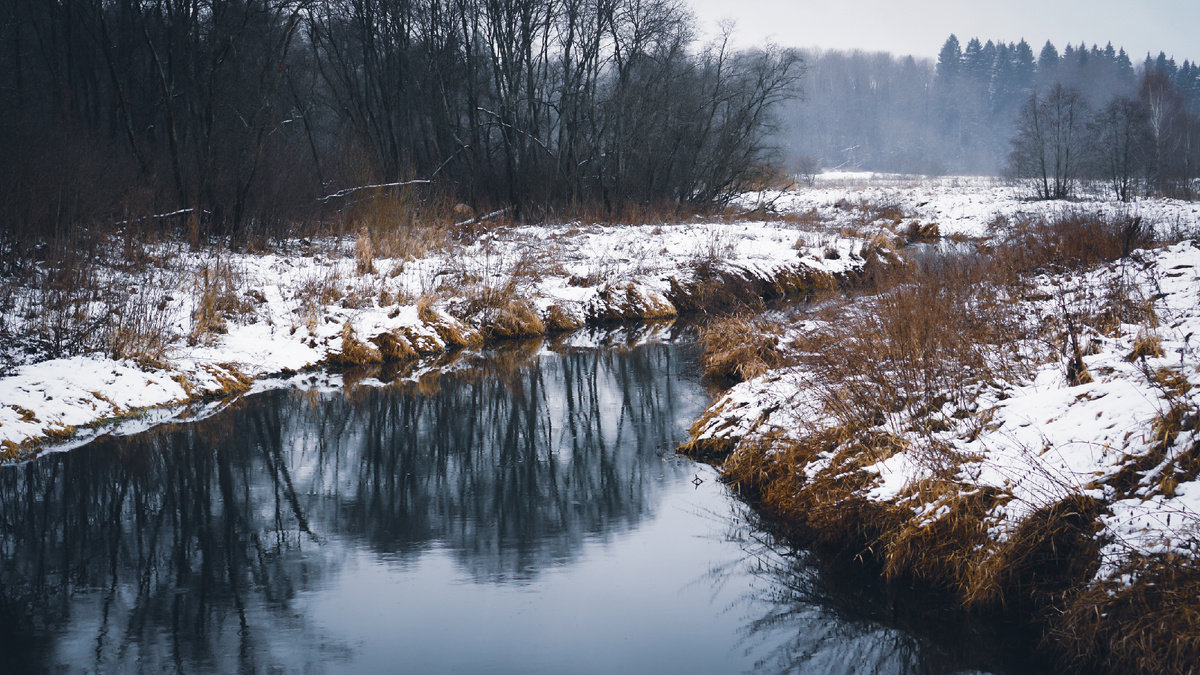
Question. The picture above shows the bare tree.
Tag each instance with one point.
(1051, 143)
(1122, 135)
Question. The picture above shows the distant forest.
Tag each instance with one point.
(249, 116)
(959, 114)
(233, 117)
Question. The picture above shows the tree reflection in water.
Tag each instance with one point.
(184, 548)
(810, 614)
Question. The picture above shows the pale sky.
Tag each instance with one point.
(919, 28)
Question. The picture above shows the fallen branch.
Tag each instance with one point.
(349, 191)
(488, 216)
(158, 216)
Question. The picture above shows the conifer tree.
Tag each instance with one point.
(949, 63)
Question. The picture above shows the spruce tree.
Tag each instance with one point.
(949, 64)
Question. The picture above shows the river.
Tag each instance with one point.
(521, 515)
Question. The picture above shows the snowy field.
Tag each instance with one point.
(960, 205)
(295, 308)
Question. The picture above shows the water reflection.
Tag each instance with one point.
(186, 546)
(520, 514)
(816, 615)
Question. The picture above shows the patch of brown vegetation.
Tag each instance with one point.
(218, 299)
(26, 414)
(943, 548)
(826, 509)
(716, 290)
(739, 348)
(627, 303)
(511, 318)
(922, 232)
(1052, 554)
(232, 380)
(1150, 625)
(354, 352)
(453, 332)
(393, 347)
(557, 319)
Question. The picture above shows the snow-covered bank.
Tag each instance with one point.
(1044, 439)
(1049, 467)
(232, 319)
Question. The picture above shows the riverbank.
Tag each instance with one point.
(1017, 426)
(188, 324)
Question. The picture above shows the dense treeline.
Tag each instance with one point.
(959, 113)
(1147, 142)
(242, 114)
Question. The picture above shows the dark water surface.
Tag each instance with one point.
(508, 519)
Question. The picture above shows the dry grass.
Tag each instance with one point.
(941, 549)
(354, 352)
(1151, 625)
(557, 319)
(627, 303)
(1052, 553)
(364, 253)
(921, 344)
(717, 291)
(453, 332)
(217, 298)
(909, 361)
(313, 294)
(826, 509)
(1074, 241)
(394, 347)
(740, 348)
(922, 232)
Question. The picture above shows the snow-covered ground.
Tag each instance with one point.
(960, 205)
(1130, 437)
(279, 313)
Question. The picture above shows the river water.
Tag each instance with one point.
(521, 515)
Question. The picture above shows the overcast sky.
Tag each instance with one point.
(920, 27)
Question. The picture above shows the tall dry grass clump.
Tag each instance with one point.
(217, 298)
(740, 347)
(1149, 623)
(823, 507)
(354, 352)
(1069, 242)
(936, 331)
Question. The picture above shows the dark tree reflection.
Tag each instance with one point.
(811, 614)
(187, 548)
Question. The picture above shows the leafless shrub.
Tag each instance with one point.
(141, 328)
(217, 292)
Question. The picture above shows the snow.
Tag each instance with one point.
(960, 205)
(296, 302)
(1045, 439)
